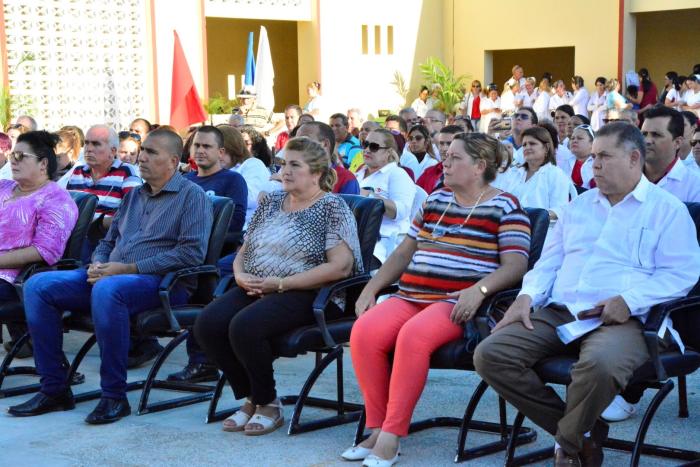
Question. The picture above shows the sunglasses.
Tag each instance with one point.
(524, 117)
(17, 156)
(372, 147)
(128, 134)
(416, 138)
(694, 142)
(587, 128)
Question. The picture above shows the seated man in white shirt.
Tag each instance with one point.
(623, 247)
(690, 124)
(663, 133)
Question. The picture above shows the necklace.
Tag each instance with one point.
(309, 201)
(439, 231)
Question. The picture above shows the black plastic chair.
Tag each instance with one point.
(324, 337)
(457, 355)
(13, 313)
(167, 321)
(655, 374)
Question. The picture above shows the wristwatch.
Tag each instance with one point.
(483, 290)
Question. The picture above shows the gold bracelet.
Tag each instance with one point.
(280, 287)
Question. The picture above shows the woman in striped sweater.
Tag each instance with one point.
(467, 242)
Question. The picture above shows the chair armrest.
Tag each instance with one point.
(485, 314)
(323, 298)
(34, 268)
(171, 279)
(653, 323)
(224, 284)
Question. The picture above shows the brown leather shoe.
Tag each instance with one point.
(564, 459)
(592, 451)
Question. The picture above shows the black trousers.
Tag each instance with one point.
(236, 331)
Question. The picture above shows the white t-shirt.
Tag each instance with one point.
(674, 97)
(692, 99)
(580, 102)
(556, 100)
(525, 99)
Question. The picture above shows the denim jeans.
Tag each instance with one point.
(112, 300)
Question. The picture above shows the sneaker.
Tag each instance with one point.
(619, 410)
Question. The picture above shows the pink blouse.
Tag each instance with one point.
(43, 219)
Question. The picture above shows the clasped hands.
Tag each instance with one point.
(615, 311)
(97, 270)
(258, 286)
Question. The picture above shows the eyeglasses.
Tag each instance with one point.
(524, 117)
(372, 147)
(609, 120)
(694, 142)
(587, 128)
(128, 134)
(17, 156)
(416, 138)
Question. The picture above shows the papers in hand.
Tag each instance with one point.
(569, 332)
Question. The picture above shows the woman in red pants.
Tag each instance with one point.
(467, 242)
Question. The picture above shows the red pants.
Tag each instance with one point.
(413, 331)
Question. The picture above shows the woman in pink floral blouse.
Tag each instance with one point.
(36, 215)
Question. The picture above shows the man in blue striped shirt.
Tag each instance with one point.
(161, 226)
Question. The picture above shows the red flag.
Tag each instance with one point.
(185, 105)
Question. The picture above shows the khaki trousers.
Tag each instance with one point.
(607, 357)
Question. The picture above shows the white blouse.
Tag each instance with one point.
(580, 102)
(548, 188)
(410, 161)
(597, 107)
(541, 106)
(488, 104)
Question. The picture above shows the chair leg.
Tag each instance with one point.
(646, 421)
(7, 370)
(92, 340)
(199, 392)
(212, 414)
(339, 405)
(682, 398)
(360, 435)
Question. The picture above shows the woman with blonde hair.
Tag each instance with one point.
(381, 177)
(277, 277)
(614, 100)
(466, 243)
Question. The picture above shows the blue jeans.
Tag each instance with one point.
(112, 301)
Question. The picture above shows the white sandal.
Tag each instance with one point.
(268, 424)
(240, 418)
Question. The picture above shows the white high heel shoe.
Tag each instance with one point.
(356, 453)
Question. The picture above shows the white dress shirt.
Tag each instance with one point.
(257, 177)
(681, 182)
(548, 188)
(580, 102)
(689, 163)
(410, 161)
(525, 99)
(6, 172)
(420, 107)
(597, 105)
(556, 100)
(644, 249)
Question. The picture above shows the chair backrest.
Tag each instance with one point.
(223, 211)
(539, 225)
(87, 203)
(368, 215)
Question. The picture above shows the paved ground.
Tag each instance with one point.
(180, 437)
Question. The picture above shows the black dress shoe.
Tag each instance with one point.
(195, 373)
(143, 353)
(42, 403)
(109, 411)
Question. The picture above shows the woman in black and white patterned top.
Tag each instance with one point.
(298, 240)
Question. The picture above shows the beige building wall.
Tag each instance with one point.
(351, 78)
(591, 27)
(668, 41)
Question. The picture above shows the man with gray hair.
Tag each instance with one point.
(28, 122)
(616, 251)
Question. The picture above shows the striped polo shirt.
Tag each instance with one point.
(110, 189)
(450, 257)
